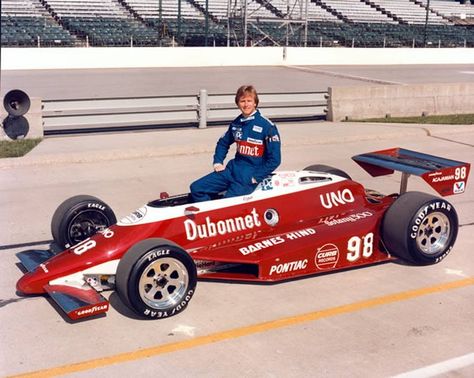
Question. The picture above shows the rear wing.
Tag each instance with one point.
(445, 176)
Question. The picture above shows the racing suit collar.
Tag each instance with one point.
(250, 117)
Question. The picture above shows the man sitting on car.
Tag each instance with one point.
(258, 152)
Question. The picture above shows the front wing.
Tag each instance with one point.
(78, 300)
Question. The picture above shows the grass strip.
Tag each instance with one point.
(453, 119)
(17, 148)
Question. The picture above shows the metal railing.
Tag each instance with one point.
(202, 110)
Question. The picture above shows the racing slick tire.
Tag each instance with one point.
(328, 169)
(78, 218)
(156, 278)
(420, 228)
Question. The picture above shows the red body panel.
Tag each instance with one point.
(287, 252)
(312, 236)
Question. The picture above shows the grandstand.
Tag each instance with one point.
(359, 23)
(101, 22)
(409, 12)
(451, 10)
(28, 23)
(357, 11)
(183, 21)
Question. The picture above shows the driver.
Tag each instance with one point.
(258, 152)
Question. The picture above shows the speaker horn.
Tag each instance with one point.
(16, 127)
(16, 103)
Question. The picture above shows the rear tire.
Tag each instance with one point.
(156, 278)
(78, 218)
(420, 228)
(328, 169)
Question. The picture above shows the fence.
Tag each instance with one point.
(116, 114)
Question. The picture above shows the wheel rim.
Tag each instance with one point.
(85, 224)
(433, 233)
(163, 283)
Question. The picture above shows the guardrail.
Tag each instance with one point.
(116, 114)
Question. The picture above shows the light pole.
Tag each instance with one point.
(207, 22)
(179, 21)
(306, 24)
(160, 11)
(228, 23)
(245, 23)
(426, 21)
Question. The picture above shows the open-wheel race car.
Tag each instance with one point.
(296, 223)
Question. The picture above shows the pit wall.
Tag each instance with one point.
(141, 57)
(400, 100)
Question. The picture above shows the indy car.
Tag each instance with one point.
(296, 223)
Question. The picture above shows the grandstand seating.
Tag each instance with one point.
(270, 22)
(169, 9)
(257, 10)
(451, 9)
(315, 12)
(189, 29)
(357, 11)
(27, 23)
(218, 9)
(389, 35)
(409, 11)
(102, 22)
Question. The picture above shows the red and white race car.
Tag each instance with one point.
(296, 223)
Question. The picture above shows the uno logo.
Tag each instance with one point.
(341, 197)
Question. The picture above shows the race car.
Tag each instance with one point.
(296, 223)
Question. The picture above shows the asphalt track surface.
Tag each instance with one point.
(101, 83)
(377, 321)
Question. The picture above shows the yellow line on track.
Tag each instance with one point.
(248, 330)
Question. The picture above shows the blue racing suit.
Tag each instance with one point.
(258, 154)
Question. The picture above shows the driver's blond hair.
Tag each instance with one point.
(245, 90)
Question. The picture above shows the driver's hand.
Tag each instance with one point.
(218, 167)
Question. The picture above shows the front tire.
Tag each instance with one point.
(156, 278)
(78, 218)
(420, 228)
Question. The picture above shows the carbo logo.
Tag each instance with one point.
(327, 256)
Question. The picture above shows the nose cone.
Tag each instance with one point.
(30, 283)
